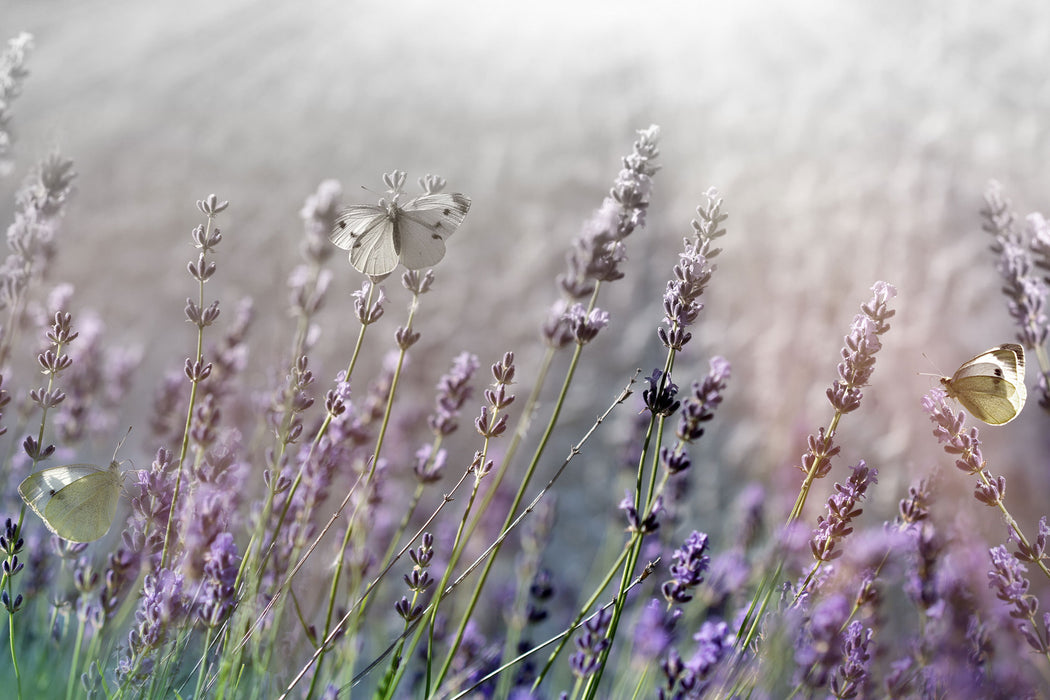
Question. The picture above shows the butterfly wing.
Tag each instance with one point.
(76, 502)
(368, 233)
(991, 385)
(423, 225)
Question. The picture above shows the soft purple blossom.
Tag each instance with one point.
(690, 562)
(654, 632)
(842, 509)
(851, 677)
(1024, 287)
(819, 648)
(590, 644)
(948, 429)
(161, 608)
(705, 398)
(598, 251)
(368, 313)
(453, 390)
(862, 343)
(692, 274)
(584, 325)
(1007, 578)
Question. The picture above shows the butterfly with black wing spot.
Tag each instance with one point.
(412, 234)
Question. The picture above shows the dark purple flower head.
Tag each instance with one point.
(690, 562)
(660, 396)
(590, 644)
(635, 522)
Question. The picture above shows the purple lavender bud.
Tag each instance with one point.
(817, 460)
(635, 522)
(556, 331)
(948, 428)
(453, 389)
(583, 325)
(590, 645)
(368, 314)
(852, 675)
(690, 564)
(660, 396)
(699, 407)
(654, 632)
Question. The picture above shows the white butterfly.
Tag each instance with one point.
(991, 385)
(413, 233)
(77, 502)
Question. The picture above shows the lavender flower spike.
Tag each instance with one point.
(858, 355)
(690, 564)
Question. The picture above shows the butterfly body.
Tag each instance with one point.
(412, 234)
(991, 385)
(77, 502)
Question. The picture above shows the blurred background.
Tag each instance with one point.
(852, 142)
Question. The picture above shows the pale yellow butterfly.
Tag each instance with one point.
(77, 502)
(991, 385)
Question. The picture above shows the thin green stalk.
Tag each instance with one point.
(518, 497)
(352, 522)
(75, 664)
(494, 547)
(194, 382)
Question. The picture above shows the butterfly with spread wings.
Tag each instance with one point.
(412, 234)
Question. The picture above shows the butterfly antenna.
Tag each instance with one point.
(121, 443)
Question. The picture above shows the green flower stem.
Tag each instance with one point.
(368, 592)
(494, 547)
(511, 512)
(352, 522)
(189, 417)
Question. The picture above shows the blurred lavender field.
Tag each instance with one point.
(852, 142)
